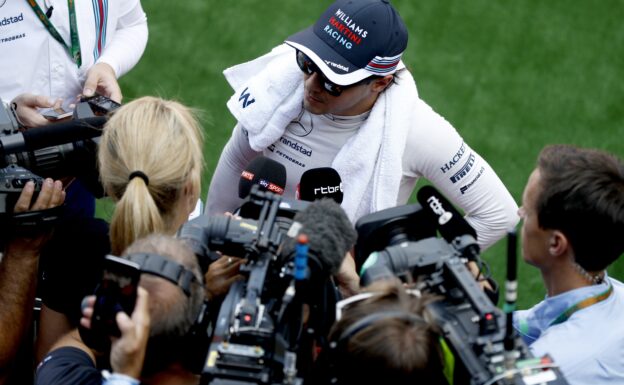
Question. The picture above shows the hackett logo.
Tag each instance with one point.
(449, 165)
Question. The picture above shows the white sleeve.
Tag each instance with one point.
(223, 190)
(436, 151)
(127, 45)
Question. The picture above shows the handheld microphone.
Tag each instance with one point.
(264, 172)
(451, 223)
(317, 183)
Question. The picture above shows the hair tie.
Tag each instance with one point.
(139, 174)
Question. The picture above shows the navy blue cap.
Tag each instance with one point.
(354, 39)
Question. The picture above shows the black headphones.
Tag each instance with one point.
(198, 336)
(330, 357)
(165, 268)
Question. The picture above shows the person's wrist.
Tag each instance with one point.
(107, 67)
(120, 379)
(22, 249)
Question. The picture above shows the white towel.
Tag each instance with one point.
(370, 163)
(268, 95)
(375, 154)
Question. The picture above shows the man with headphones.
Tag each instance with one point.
(384, 335)
(155, 339)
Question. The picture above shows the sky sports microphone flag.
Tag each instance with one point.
(317, 183)
(267, 173)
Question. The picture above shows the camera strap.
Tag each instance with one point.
(74, 49)
(33, 223)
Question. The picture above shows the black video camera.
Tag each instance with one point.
(402, 242)
(242, 237)
(257, 336)
(61, 149)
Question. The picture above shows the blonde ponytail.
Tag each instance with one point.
(161, 141)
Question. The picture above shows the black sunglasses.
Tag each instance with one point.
(308, 67)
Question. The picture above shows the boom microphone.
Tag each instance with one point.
(267, 173)
(317, 183)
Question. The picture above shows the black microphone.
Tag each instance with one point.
(451, 223)
(264, 172)
(317, 183)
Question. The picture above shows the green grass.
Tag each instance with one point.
(510, 76)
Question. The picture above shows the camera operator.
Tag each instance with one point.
(383, 335)
(167, 314)
(573, 221)
(150, 161)
(18, 272)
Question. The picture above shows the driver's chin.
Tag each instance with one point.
(314, 108)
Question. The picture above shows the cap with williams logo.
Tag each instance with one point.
(354, 39)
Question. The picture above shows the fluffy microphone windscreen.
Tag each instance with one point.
(330, 234)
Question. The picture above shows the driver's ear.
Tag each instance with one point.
(380, 84)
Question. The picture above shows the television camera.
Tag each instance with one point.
(258, 336)
(402, 242)
(66, 148)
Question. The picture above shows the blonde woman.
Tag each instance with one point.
(150, 161)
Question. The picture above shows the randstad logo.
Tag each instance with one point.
(11, 19)
(336, 65)
(296, 146)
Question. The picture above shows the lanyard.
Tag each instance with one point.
(74, 49)
(582, 305)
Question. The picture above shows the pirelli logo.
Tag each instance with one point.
(464, 170)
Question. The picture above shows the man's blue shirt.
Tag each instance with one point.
(589, 345)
